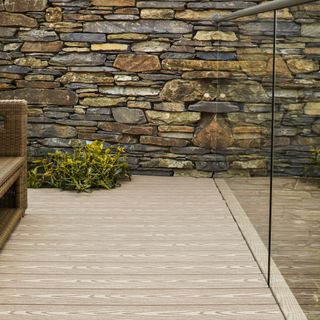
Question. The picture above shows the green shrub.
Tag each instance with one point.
(90, 166)
(313, 168)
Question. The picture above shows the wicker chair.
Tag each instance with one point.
(13, 165)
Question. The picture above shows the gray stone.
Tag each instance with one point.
(56, 115)
(57, 142)
(77, 123)
(15, 69)
(235, 5)
(38, 35)
(5, 56)
(310, 30)
(157, 76)
(83, 37)
(161, 4)
(177, 55)
(211, 166)
(99, 111)
(143, 148)
(129, 116)
(7, 32)
(150, 46)
(74, 3)
(209, 157)
(142, 26)
(167, 163)
(316, 127)
(292, 119)
(120, 17)
(51, 131)
(217, 55)
(92, 69)
(265, 27)
(214, 107)
(79, 59)
(130, 91)
(189, 150)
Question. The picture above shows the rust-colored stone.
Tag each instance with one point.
(37, 84)
(164, 142)
(214, 134)
(124, 128)
(17, 19)
(54, 46)
(137, 62)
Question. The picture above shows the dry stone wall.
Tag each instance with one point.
(183, 96)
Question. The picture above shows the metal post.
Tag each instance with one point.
(274, 79)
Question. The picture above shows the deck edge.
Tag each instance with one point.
(288, 303)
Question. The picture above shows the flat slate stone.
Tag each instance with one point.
(8, 19)
(42, 96)
(129, 116)
(38, 35)
(235, 5)
(6, 32)
(217, 55)
(15, 69)
(161, 4)
(79, 59)
(285, 28)
(141, 26)
(83, 37)
(25, 6)
(214, 107)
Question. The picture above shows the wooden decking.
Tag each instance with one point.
(296, 231)
(156, 248)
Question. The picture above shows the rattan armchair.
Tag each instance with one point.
(13, 165)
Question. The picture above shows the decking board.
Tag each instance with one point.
(144, 251)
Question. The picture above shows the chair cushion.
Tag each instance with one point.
(9, 166)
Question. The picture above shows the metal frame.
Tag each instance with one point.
(273, 122)
(268, 6)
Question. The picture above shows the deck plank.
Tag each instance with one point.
(66, 312)
(143, 251)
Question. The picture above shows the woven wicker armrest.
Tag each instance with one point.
(13, 165)
(13, 130)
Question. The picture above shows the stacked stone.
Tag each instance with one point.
(182, 95)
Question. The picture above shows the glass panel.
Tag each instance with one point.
(296, 197)
(295, 272)
(251, 124)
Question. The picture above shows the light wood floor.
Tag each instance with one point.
(156, 248)
(296, 231)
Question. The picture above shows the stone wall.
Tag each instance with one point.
(157, 77)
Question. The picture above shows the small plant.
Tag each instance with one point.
(313, 168)
(90, 166)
